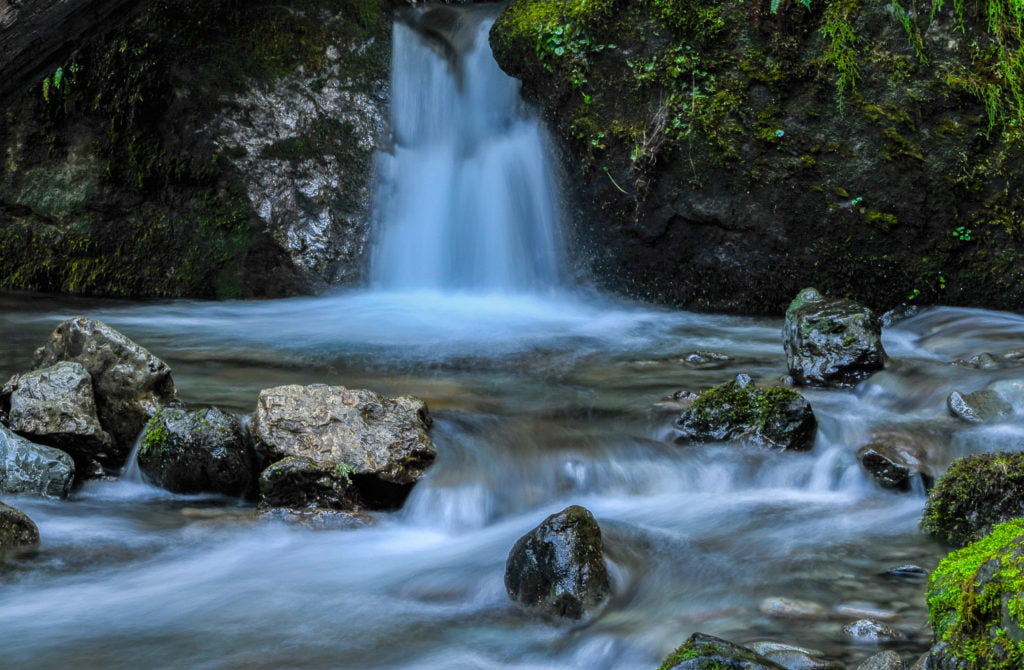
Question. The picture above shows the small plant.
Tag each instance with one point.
(345, 471)
(913, 294)
(962, 233)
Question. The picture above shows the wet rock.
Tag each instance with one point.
(982, 361)
(130, 384)
(978, 407)
(791, 608)
(16, 529)
(794, 658)
(705, 360)
(909, 572)
(26, 467)
(677, 402)
(974, 601)
(869, 630)
(865, 611)
(897, 314)
(701, 652)
(299, 482)
(831, 342)
(775, 417)
(383, 439)
(55, 406)
(976, 493)
(318, 519)
(202, 451)
(557, 569)
(885, 660)
(895, 462)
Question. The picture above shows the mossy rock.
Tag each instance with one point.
(976, 493)
(707, 652)
(976, 603)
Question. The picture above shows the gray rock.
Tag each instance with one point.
(978, 407)
(318, 519)
(885, 660)
(701, 652)
(775, 417)
(705, 360)
(897, 314)
(558, 568)
(130, 384)
(982, 361)
(865, 611)
(831, 342)
(869, 630)
(16, 529)
(909, 572)
(55, 406)
(383, 439)
(26, 467)
(792, 608)
(202, 451)
(794, 658)
(895, 462)
(298, 482)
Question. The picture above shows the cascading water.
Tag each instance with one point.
(467, 200)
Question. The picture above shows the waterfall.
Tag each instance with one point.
(466, 200)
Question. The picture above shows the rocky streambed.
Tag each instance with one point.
(536, 405)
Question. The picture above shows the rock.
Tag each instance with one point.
(895, 462)
(865, 611)
(557, 569)
(885, 660)
(897, 314)
(202, 451)
(705, 360)
(383, 439)
(26, 467)
(982, 361)
(775, 417)
(791, 608)
(298, 482)
(794, 658)
(318, 519)
(978, 407)
(976, 493)
(869, 630)
(16, 529)
(909, 572)
(831, 342)
(701, 652)
(55, 406)
(130, 384)
(975, 603)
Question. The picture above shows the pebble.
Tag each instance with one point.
(790, 608)
(865, 611)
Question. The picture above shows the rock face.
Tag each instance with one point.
(31, 468)
(55, 406)
(777, 418)
(831, 342)
(383, 442)
(975, 494)
(16, 529)
(701, 652)
(557, 569)
(202, 451)
(978, 407)
(975, 603)
(894, 463)
(130, 383)
(298, 482)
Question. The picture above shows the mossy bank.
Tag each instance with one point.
(205, 149)
(729, 152)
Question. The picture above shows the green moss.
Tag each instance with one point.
(155, 436)
(741, 405)
(976, 600)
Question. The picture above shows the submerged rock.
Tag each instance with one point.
(895, 462)
(202, 451)
(975, 494)
(794, 658)
(702, 652)
(886, 660)
(383, 439)
(16, 529)
(792, 608)
(557, 569)
(831, 342)
(26, 467)
(298, 482)
(774, 417)
(130, 383)
(869, 630)
(978, 407)
(55, 406)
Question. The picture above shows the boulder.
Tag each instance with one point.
(976, 603)
(777, 417)
(976, 493)
(130, 384)
(831, 342)
(202, 451)
(383, 439)
(978, 407)
(16, 529)
(701, 652)
(26, 467)
(895, 462)
(298, 482)
(55, 406)
(558, 569)
(794, 658)
(885, 660)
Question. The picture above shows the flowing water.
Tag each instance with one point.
(543, 397)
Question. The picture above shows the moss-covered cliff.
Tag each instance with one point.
(205, 148)
(729, 152)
